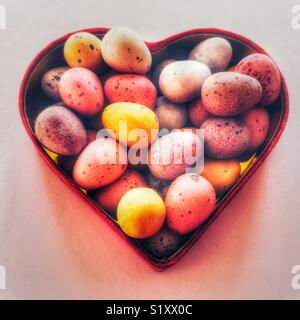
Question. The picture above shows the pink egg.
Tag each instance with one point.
(189, 202)
(173, 153)
(257, 120)
(101, 162)
(81, 90)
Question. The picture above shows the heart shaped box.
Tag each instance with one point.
(32, 100)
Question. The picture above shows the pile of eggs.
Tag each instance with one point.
(111, 80)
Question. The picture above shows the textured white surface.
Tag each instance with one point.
(53, 246)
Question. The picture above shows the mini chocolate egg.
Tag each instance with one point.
(257, 120)
(50, 82)
(102, 162)
(264, 69)
(159, 185)
(124, 50)
(189, 201)
(181, 81)
(170, 115)
(225, 138)
(157, 71)
(131, 88)
(109, 197)
(197, 112)
(81, 90)
(222, 174)
(141, 213)
(227, 94)
(141, 123)
(83, 49)
(172, 154)
(163, 244)
(60, 130)
(215, 52)
(67, 163)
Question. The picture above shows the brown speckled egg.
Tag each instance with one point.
(81, 90)
(60, 130)
(50, 82)
(189, 202)
(264, 69)
(102, 162)
(67, 163)
(257, 120)
(197, 112)
(110, 196)
(161, 186)
(163, 244)
(170, 115)
(229, 93)
(225, 138)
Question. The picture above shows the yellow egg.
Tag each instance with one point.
(246, 164)
(222, 174)
(141, 213)
(133, 124)
(83, 49)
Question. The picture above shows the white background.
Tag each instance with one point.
(53, 246)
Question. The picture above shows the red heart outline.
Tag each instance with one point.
(156, 46)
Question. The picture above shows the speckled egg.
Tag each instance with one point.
(257, 120)
(131, 88)
(163, 244)
(125, 51)
(230, 93)
(225, 138)
(189, 202)
(101, 162)
(264, 69)
(81, 90)
(83, 49)
(50, 82)
(60, 130)
(172, 154)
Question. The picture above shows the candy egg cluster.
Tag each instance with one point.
(155, 142)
